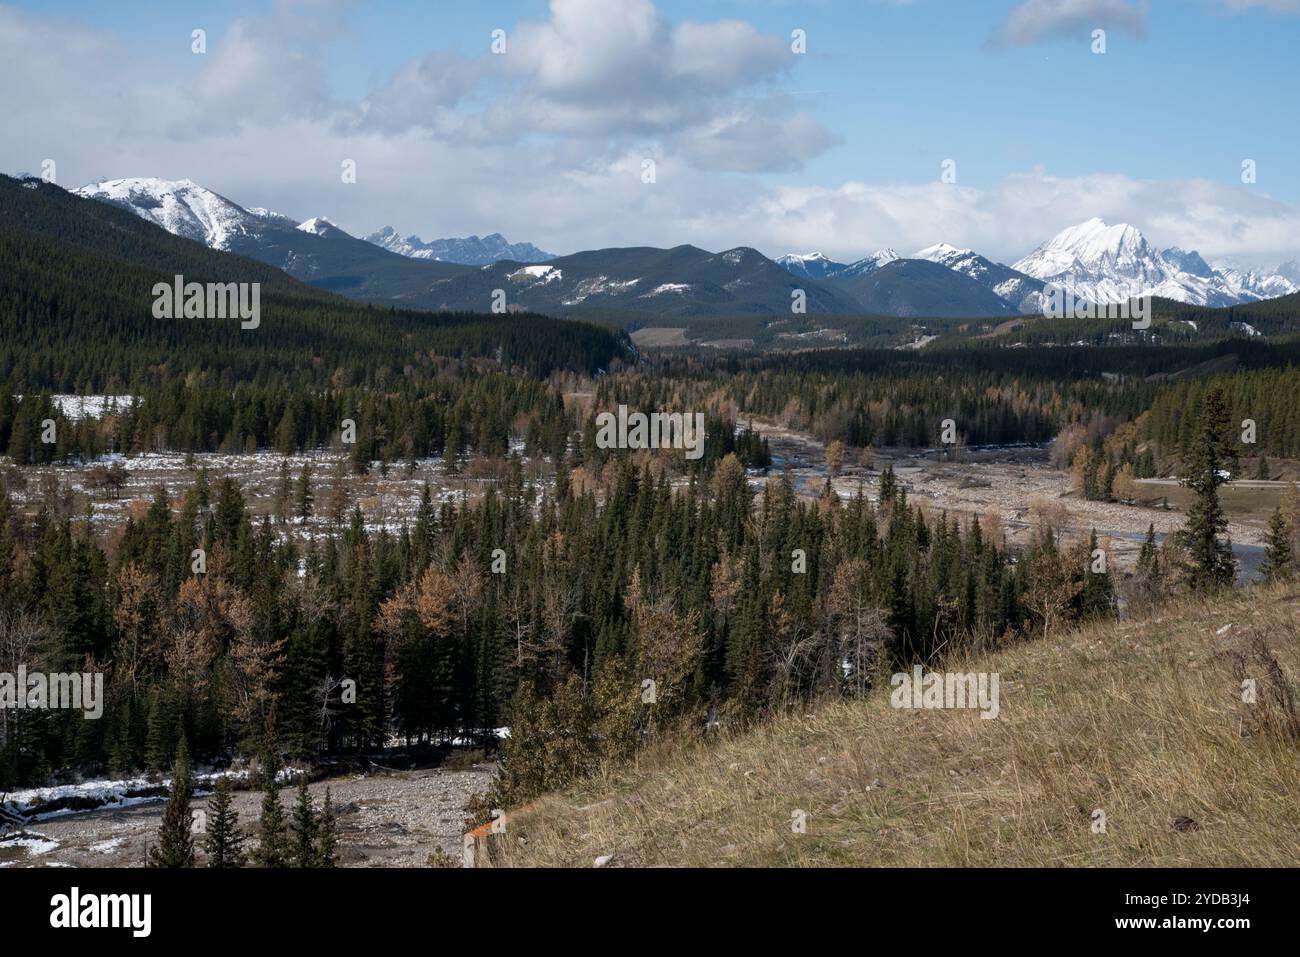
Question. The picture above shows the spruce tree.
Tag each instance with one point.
(327, 837)
(1149, 556)
(1098, 591)
(304, 827)
(304, 496)
(175, 842)
(1277, 548)
(157, 747)
(224, 844)
(271, 826)
(1211, 554)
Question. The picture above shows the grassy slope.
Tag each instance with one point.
(1142, 719)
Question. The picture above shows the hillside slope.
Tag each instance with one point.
(76, 298)
(1141, 719)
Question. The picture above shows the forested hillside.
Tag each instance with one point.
(76, 311)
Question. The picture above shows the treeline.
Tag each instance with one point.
(891, 402)
(76, 312)
(422, 633)
(1258, 412)
(1270, 398)
(471, 408)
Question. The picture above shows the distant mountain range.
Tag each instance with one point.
(1102, 263)
(469, 251)
(1095, 261)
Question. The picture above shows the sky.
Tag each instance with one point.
(841, 126)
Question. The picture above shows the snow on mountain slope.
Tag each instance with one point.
(819, 266)
(1290, 271)
(182, 207)
(318, 226)
(469, 251)
(870, 263)
(810, 265)
(1103, 263)
(1018, 290)
(942, 253)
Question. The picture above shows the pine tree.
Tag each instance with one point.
(1211, 555)
(1148, 562)
(224, 844)
(327, 837)
(1098, 591)
(271, 826)
(157, 748)
(175, 841)
(1277, 548)
(283, 491)
(304, 497)
(304, 827)
(888, 484)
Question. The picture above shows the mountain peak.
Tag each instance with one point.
(467, 250)
(181, 207)
(318, 225)
(1104, 263)
(941, 253)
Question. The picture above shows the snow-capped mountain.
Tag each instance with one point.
(1095, 261)
(819, 266)
(470, 250)
(319, 226)
(810, 265)
(184, 208)
(1103, 263)
(1021, 292)
(316, 251)
(869, 264)
(1289, 270)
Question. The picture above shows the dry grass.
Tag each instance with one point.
(1143, 720)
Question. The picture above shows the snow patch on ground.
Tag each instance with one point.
(678, 287)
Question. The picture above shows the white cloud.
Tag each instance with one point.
(1033, 21)
(548, 160)
(1026, 208)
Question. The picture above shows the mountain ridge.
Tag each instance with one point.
(1096, 261)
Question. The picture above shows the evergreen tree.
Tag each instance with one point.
(224, 843)
(303, 498)
(304, 827)
(175, 840)
(271, 826)
(1098, 595)
(1277, 548)
(1150, 552)
(327, 837)
(1212, 564)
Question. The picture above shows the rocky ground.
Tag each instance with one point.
(1010, 482)
(385, 819)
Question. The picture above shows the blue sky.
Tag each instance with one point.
(838, 149)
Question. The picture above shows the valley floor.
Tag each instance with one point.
(385, 819)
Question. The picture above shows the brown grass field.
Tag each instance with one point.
(1143, 720)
